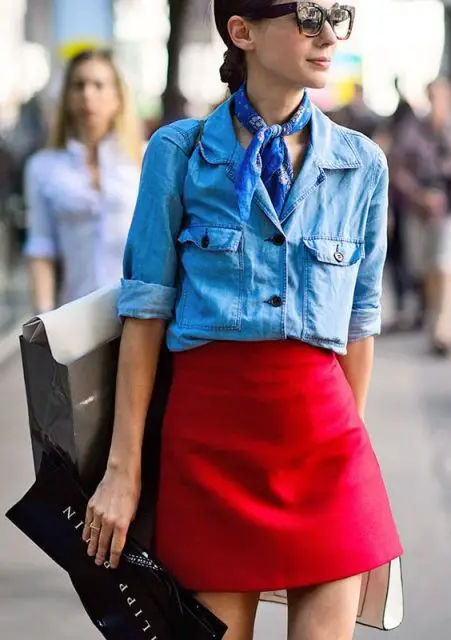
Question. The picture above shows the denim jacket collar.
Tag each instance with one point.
(330, 146)
(219, 144)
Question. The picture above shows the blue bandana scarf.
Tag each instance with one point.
(267, 156)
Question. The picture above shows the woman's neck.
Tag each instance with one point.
(91, 137)
(275, 104)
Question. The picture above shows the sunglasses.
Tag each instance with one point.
(311, 17)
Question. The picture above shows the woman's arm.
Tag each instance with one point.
(357, 365)
(366, 308)
(113, 506)
(41, 247)
(365, 322)
(140, 349)
(43, 284)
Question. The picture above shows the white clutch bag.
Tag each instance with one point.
(381, 603)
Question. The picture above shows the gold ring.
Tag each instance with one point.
(94, 528)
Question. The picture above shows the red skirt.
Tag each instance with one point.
(268, 477)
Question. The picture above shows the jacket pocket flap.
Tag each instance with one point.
(212, 238)
(337, 252)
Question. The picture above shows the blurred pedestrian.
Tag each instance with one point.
(357, 115)
(261, 236)
(421, 173)
(81, 190)
(406, 283)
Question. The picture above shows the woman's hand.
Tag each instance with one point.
(110, 513)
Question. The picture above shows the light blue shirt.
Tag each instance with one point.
(314, 274)
(70, 220)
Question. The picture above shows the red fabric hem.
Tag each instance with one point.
(320, 578)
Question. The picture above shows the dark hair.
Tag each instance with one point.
(233, 70)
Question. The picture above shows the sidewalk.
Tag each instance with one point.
(14, 307)
(14, 296)
(14, 283)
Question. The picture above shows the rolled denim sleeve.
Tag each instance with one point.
(148, 287)
(366, 310)
(41, 224)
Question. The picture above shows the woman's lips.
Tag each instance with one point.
(321, 63)
(89, 113)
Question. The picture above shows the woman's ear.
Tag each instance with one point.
(240, 33)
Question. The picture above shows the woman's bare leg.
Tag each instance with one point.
(325, 612)
(236, 610)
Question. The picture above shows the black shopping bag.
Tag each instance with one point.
(139, 600)
(70, 358)
(69, 361)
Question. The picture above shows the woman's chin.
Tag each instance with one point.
(317, 81)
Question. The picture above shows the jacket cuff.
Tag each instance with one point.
(364, 324)
(146, 301)
(40, 247)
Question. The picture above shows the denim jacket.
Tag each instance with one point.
(313, 274)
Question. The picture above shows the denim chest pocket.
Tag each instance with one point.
(330, 270)
(212, 278)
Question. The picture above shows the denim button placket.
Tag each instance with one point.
(278, 240)
(275, 301)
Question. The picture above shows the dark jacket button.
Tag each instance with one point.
(278, 240)
(275, 301)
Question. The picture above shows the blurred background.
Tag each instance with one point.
(383, 84)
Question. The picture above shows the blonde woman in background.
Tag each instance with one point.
(81, 191)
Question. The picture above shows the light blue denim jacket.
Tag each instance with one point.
(314, 274)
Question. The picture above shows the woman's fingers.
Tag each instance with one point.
(95, 529)
(107, 537)
(104, 541)
(89, 517)
(108, 518)
(117, 545)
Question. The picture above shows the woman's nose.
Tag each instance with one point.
(327, 36)
(88, 92)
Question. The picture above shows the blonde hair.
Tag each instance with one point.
(126, 124)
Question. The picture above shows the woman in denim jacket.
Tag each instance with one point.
(261, 241)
